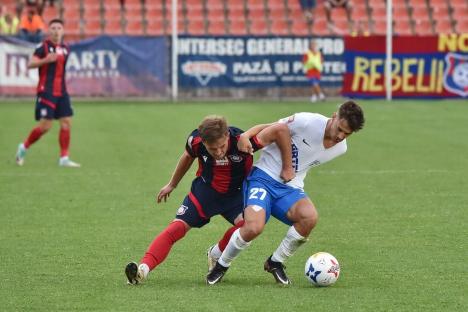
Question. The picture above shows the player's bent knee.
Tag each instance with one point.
(308, 217)
(45, 126)
(251, 230)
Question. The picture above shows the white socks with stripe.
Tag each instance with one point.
(234, 247)
(288, 246)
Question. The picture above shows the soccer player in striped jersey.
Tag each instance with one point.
(53, 101)
(216, 190)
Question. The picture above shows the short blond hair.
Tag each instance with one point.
(213, 128)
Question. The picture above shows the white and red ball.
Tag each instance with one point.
(322, 269)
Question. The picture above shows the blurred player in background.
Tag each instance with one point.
(217, 189)
(53, 101)
(313, 63)
(315, 140)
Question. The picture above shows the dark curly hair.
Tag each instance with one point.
(353, 114)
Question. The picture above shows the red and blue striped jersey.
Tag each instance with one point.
(52, 75)
(226, 175)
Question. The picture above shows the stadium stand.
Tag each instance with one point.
(86, 18)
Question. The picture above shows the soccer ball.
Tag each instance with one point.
(322, 269)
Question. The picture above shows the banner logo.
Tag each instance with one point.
(204, 71)
(456, 74)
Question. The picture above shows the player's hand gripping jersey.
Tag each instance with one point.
(307, 133)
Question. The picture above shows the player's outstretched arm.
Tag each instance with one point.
(38, 62)
(184, 164)
(279, 133)
(244, 144)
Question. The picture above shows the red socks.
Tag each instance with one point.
(162, 244)
(35, 134)
(64, 140)
(227, 236)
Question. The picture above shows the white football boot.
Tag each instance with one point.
(20, 154)
(66, 162)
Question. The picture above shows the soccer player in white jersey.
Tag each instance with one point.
(315, 139)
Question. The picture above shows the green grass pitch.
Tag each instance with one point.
(393, 210)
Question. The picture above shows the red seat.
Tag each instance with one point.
(359, 14)
(459, 15)
(73, 28)
(440, 12)
(255, 3)
(132, 11)
(461, 26)
(378, 13)
(92, 27)
(299, 28)
(155, 27)
(341, 27)
(195, 10)
(279, 27)
(380, 27)
(421, 14)
(71, 12)
(112, 12)
(399, 3)
(92, 11)
(256, 13)
(458, 4)
(216, 28)
(320, 27)
(402, 27)
(154, 11)
(277, 15)
(234, 5)
(438, 4)
(443, 26)
(417, 3)
(258, 27)
(215, 4)
(134, 27)
(113, 26)
(423, 28)
(236, 14)
(190, 2)
(237, 27)
(339, 14)
(276, 5)
(196, 27)
(215, 14)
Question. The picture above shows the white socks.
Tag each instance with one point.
(235, 246)
(288, 246)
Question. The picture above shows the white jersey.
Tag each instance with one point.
(307, 133)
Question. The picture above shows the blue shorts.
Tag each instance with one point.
(275, 197)
(53, 107)
(314, 81)
(203, 202)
